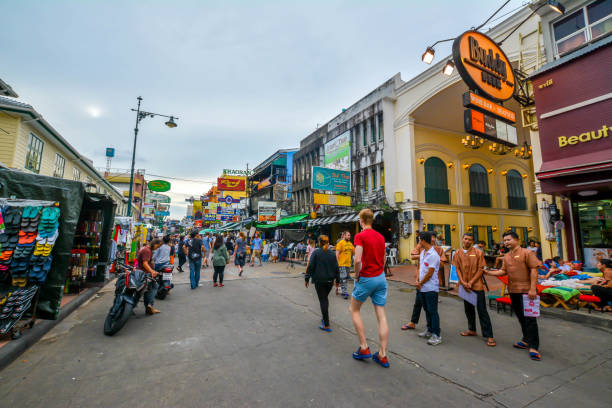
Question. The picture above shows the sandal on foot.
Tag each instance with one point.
(520, 345)
(327, 329)
(468, 333)
(409, 326)
(491, 342)
(535, 356)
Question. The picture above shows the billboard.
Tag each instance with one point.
(338, 152)
(231, 184)
(162, 198)
(326, 179)
(331, 199)
(266, 211)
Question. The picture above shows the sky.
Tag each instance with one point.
(245, 78)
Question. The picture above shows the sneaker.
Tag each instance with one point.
(383, 361)
(426, 334)
(361, 354)
(434, 340)
(215, 285)
(221, 285)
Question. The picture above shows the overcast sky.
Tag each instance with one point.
(245, 77)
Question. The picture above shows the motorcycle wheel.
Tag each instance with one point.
(112, 326)
(161, 294)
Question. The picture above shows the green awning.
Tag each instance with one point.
(292, 219)
(267, 225)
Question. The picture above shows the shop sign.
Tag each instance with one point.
(266, 211)
(227, 211)
(110, 152)
(232, 172)
(159, 185)
(228, 218)
(230, 200)
(585, 137)
(147, 205)
(209, 217)
(484, 66)
(162, 213)
(332, 199)
(488, 127)
(231, 184)
(197, 223)
(326, 179)
(162, 198)
(338, 152)
(471, 100)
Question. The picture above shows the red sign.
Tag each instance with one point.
(228, 184)
(197, 223)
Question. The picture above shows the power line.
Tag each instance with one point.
(184, 179)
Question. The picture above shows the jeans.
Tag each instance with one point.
(483, 315)
(149, 295)
(194, 272)
(529, 325)
(182, 260)
(430, 304)
(416, 309)
(218, 273)
(323, 289)
(603, 293)
(344, 274)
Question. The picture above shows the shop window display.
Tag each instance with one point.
(86, 250)
(595, 219)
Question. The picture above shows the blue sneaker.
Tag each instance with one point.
(383, 361)
(362, 354)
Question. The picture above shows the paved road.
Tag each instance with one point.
(255, 343)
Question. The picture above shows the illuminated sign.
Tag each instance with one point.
(332, 199)
(584, 137)
(483, 65)
(470, 99)
(488, 127)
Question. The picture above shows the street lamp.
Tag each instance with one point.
(449, 67)
(140, 115)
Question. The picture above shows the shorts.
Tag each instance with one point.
(257, 253)
(240, 258)
(375, 287)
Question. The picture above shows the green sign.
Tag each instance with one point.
(338, 181)
(159, 185)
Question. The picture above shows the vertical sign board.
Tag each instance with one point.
(338, 152)
(266, 211)
(326, 179)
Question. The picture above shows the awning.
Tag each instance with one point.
(576, 164)
(266, 225)
(292, 219)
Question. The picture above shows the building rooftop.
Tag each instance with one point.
(6, 90)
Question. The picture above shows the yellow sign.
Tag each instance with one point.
(332, 199)
(584, 137)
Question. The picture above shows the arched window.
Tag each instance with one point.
(436, 182)
(479, 186)
(516, 194)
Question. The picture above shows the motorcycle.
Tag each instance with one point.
(164, 280)
(131, 284)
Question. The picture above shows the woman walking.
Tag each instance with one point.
(220, 258)
(240, 257)
(323, 270)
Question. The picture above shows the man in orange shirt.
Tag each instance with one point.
(521, 266)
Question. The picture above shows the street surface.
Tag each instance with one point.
(255, 343)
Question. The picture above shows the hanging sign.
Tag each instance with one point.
(231, 184)
(488, 127)
(484, 66)
(110, 152)
(230, 200)
(471, 100)
(159, 185)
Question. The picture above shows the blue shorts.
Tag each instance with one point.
(375, 287)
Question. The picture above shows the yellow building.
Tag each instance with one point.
(29, 143)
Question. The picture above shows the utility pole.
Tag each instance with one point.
(248, 194)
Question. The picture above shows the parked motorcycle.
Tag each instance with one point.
(131, 284)
(164, 280)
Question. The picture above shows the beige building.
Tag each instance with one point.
(29, 143)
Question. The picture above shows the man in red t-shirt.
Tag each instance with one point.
(144, 264)
(370, 282)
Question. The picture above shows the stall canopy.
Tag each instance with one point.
(338, 219)
(292, 219)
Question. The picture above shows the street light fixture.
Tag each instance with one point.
(428, 55)
(449, 67)
(140, 115)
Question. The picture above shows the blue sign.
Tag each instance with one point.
(209, 217)
(230, 200)
(227, 211)
(338, 181)
(110, 152)
(227, 218)
(162, 213)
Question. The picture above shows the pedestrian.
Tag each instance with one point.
(220, 258)
(603, 288)
(521, 266)
(323, 270)
(256, 250)
(144, 259)
(265, 253)
(241, 247)
(229, 244)
(428, 286)
(161, 256)
(182, 258)
(207, 242)
(345, 250)
(194, 254)
(274, 249)
(470, 264)
(370, 282)
(309, 250)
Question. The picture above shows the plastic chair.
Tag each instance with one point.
(392, 257)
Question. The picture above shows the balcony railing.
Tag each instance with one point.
(517, 203)
(480, 200)
(437, 195)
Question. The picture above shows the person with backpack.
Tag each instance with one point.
(182, 258)
(194, 253)
(220, 258)
(241, 249)
(323, 270)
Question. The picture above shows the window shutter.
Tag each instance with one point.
(447, 235)
(430, 227)
(490, 235)
(475, 233)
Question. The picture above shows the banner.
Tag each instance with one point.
(197, 210)
(231, 184)
(266, 211)
(337, 181)
(338, 152)
(331, 199)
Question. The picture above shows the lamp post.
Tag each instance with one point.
(140, 115)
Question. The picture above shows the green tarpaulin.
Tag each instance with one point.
(292, 219)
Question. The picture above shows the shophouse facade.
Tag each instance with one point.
(120, 179)
(434, 181)
(308, 155)
(573, 153)
(29, 143)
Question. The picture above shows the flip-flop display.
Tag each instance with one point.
(14, 305)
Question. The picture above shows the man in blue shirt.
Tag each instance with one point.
(256, 246)
(206, 241)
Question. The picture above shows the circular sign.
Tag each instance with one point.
(229, 200)
(484, 66)
(159, 185)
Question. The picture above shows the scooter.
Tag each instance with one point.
(131, 284)
(164, 280)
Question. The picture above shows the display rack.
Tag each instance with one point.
(85, 253)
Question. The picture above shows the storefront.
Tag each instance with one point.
(574, 106)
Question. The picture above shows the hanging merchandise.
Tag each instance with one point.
(85, 253)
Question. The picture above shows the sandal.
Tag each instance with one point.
(409, 326)
(535, 356)
(491, 342)
(521, 345)
(468, 333)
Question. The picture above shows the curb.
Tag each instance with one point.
(15, 348)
